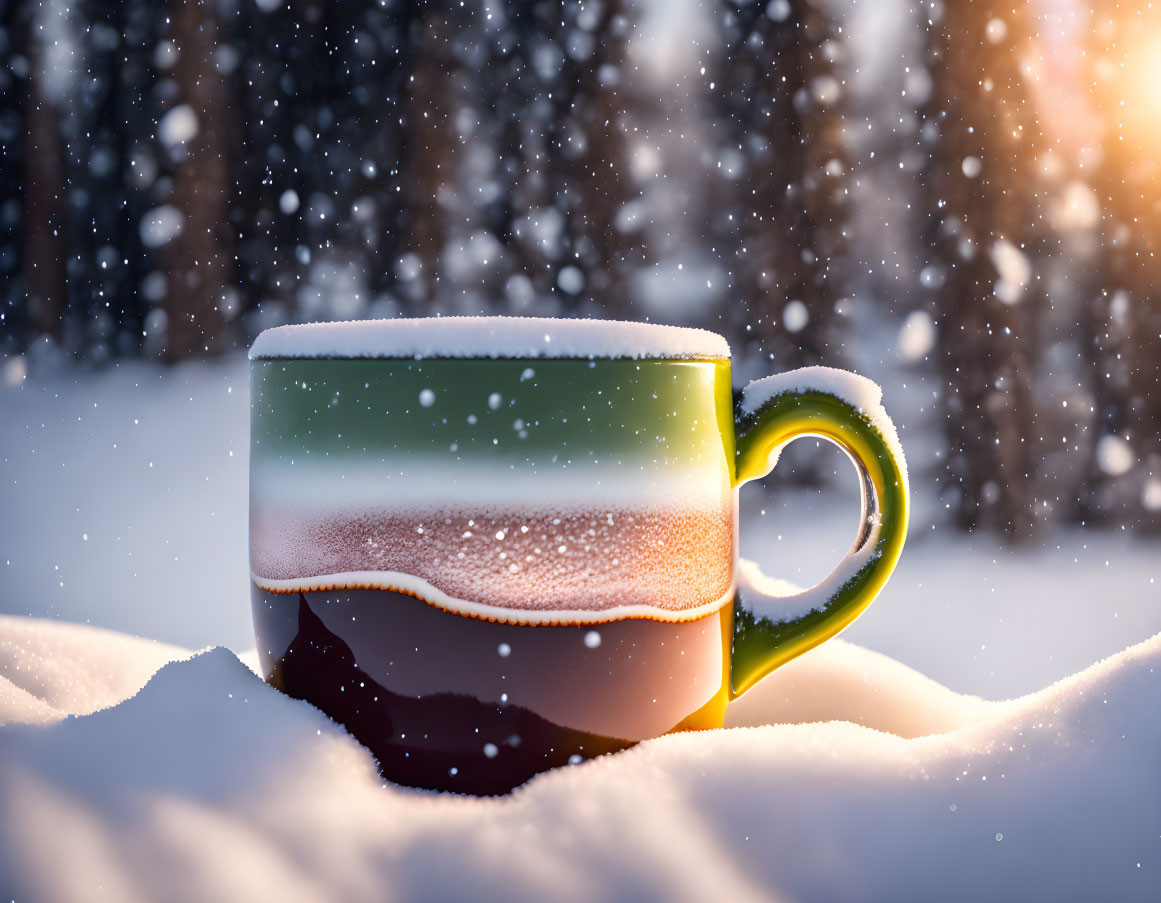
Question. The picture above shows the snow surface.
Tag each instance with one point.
(488, 337)
(51, 669)
(857, 391)
(845, 776)
(130, 491)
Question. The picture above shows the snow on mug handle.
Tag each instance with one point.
(773, 626)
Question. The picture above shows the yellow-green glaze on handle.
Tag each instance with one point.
(762, 643)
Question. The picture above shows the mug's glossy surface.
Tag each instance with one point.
(525, 563)
(456, 703)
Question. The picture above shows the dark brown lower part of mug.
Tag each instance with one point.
(445, 702)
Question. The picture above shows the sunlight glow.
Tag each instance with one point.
(1133, 83)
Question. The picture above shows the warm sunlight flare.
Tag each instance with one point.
(1130, 81)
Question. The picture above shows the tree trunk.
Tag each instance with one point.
(981, 187)
(45, 250)
(198, 258)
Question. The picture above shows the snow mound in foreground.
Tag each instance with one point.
(208, 784)
(50, 669)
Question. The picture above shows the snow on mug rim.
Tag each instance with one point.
(493, 338)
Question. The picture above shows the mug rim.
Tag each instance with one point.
(491, 338)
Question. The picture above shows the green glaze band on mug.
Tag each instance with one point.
(554, 489)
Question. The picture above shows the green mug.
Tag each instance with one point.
(492, 546)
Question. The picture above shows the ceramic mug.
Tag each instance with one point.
(492, 546)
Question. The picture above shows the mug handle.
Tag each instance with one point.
(772, 627)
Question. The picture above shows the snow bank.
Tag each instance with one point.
(208, 784)
(51, 669)
(488, 337)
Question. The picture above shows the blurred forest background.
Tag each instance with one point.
(978, 177)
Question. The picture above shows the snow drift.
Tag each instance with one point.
(208, 784)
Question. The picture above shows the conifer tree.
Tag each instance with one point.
(784, 232)
(14, 88)
(108, 260)
(1123, 480)
(197, 261)
(45, 253)
(323, 88)
(980, 185)
(592, 158)
(436, 216)
(563, 149)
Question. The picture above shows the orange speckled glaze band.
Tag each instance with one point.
(570, 565)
